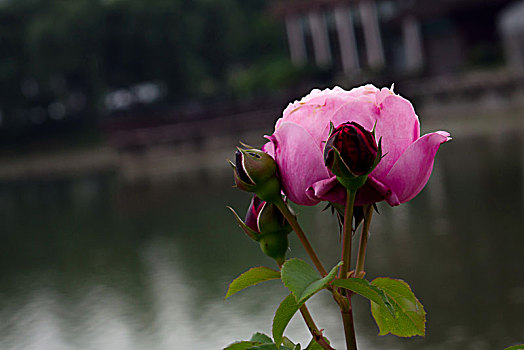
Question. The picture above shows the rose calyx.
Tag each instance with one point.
(265, 224)
(351, 153)
(256, 171)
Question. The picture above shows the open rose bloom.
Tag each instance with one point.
(300, 135)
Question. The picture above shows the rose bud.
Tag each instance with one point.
(264, 217)
(351, 153)
(265, 224)
(256, 171)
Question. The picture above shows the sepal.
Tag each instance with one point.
(251, 233)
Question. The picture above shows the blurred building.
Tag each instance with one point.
(404, 37)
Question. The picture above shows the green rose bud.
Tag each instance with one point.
(265, 224)
(256, 171)
(275, 246)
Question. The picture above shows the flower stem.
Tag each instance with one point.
(364, 240)
(313, 329)
(348, 234)
(346, 308)
(349, 328)
(310, 323)
(290, 217)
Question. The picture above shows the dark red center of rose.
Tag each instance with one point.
(356, 146)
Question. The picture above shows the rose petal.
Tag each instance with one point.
(315, 97)
(328, 190)
(315, 117)
(299, 160)
(269, 147)
(399, 127)
(331, 190)
(412, 170)
(321, 96)
(364, 113)
(309, 116)
(365, 93)
(382, 94)
(375, 191)
(252, 213)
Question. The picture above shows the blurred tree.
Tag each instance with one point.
(60, 58)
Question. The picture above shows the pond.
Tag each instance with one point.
(91, 263)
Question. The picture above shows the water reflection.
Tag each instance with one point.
(87, 263)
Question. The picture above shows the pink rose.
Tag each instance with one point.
(300, 135)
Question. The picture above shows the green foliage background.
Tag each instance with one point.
(201, 49)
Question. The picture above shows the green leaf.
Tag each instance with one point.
(261, 338)
(241, 345)
(313, 345)
(256, 345)
(409, 318)
(287, 308)
(367, 290)
(269, 347)
(288, 343)
(251, 277)
(516, 347)
(303, 281)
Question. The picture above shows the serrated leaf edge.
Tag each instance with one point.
(277, 276)
(278, 337)
(301, 299)
(417, 302)
(384, 301)
(246, 342)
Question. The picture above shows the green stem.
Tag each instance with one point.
(346, 308)
(290, 217)
(364, 240)
(310, 323)
(313, 329)
(349, 328)
(347, 233)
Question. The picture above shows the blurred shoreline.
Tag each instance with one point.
(157, 161)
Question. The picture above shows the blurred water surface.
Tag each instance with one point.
(88, 263)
